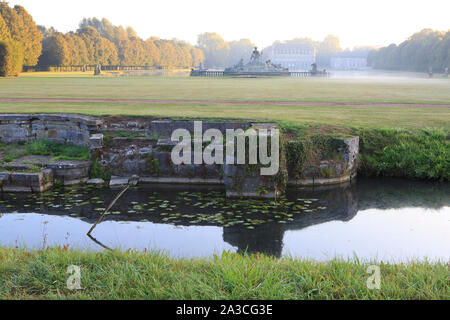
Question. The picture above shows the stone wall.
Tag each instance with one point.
(338, 165)
(129, 146)
(75, 129)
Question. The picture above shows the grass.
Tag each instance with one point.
(378, 90)
(151, 275)
(351, 116)
(10, 152)
(418, 154)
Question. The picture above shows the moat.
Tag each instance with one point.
(383, 219)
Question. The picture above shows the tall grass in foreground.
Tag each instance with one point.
(129, 275)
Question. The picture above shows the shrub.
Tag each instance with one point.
(11, 58)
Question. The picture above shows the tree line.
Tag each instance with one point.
(100, 42)
(423, 50)
(23, 43)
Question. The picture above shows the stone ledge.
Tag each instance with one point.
(321, 181)
(178, 180)
(26, 182)
(234, 194)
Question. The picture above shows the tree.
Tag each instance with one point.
(11, 58)
(197, 57)
(239, 49)
(47, 32)
(100, 42)
(79, 51)
(100, 50)
(55, 52)
(30, 37)
(168, 57)
(132, 34)
(23, 29)
(4, 30)
(215, 49)
(423, 50)
(153, 54)
(326, 49)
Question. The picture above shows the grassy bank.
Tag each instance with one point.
(413, 154)
(124, 275)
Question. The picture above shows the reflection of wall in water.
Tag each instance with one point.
(341, 204)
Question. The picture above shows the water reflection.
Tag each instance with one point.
(384, 219)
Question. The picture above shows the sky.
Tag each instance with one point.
(355, 22)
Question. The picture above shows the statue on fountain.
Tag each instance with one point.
(257, 67)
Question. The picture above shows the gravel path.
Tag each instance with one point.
(217, 102)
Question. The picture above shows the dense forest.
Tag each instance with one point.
(423, 50)
(23, 43)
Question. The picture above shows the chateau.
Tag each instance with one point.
(295, 57)
(349, 60)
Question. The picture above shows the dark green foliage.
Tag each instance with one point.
(421, 154)
(11, 58)
(423, 50)
(309, 149)
(414, 154)
(153, 165)
(97, 171)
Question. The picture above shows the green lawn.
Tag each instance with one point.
(125, 275)
(379, 90)
(347, 116)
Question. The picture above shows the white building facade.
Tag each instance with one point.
(349, 61)
(295, 57)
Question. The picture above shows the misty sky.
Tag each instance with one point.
(374, 22)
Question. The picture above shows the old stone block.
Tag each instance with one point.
(118, 182)
(162, 128)
(70, 172)
(96, 181)
(96, 141)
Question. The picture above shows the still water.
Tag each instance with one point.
(383, 220)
